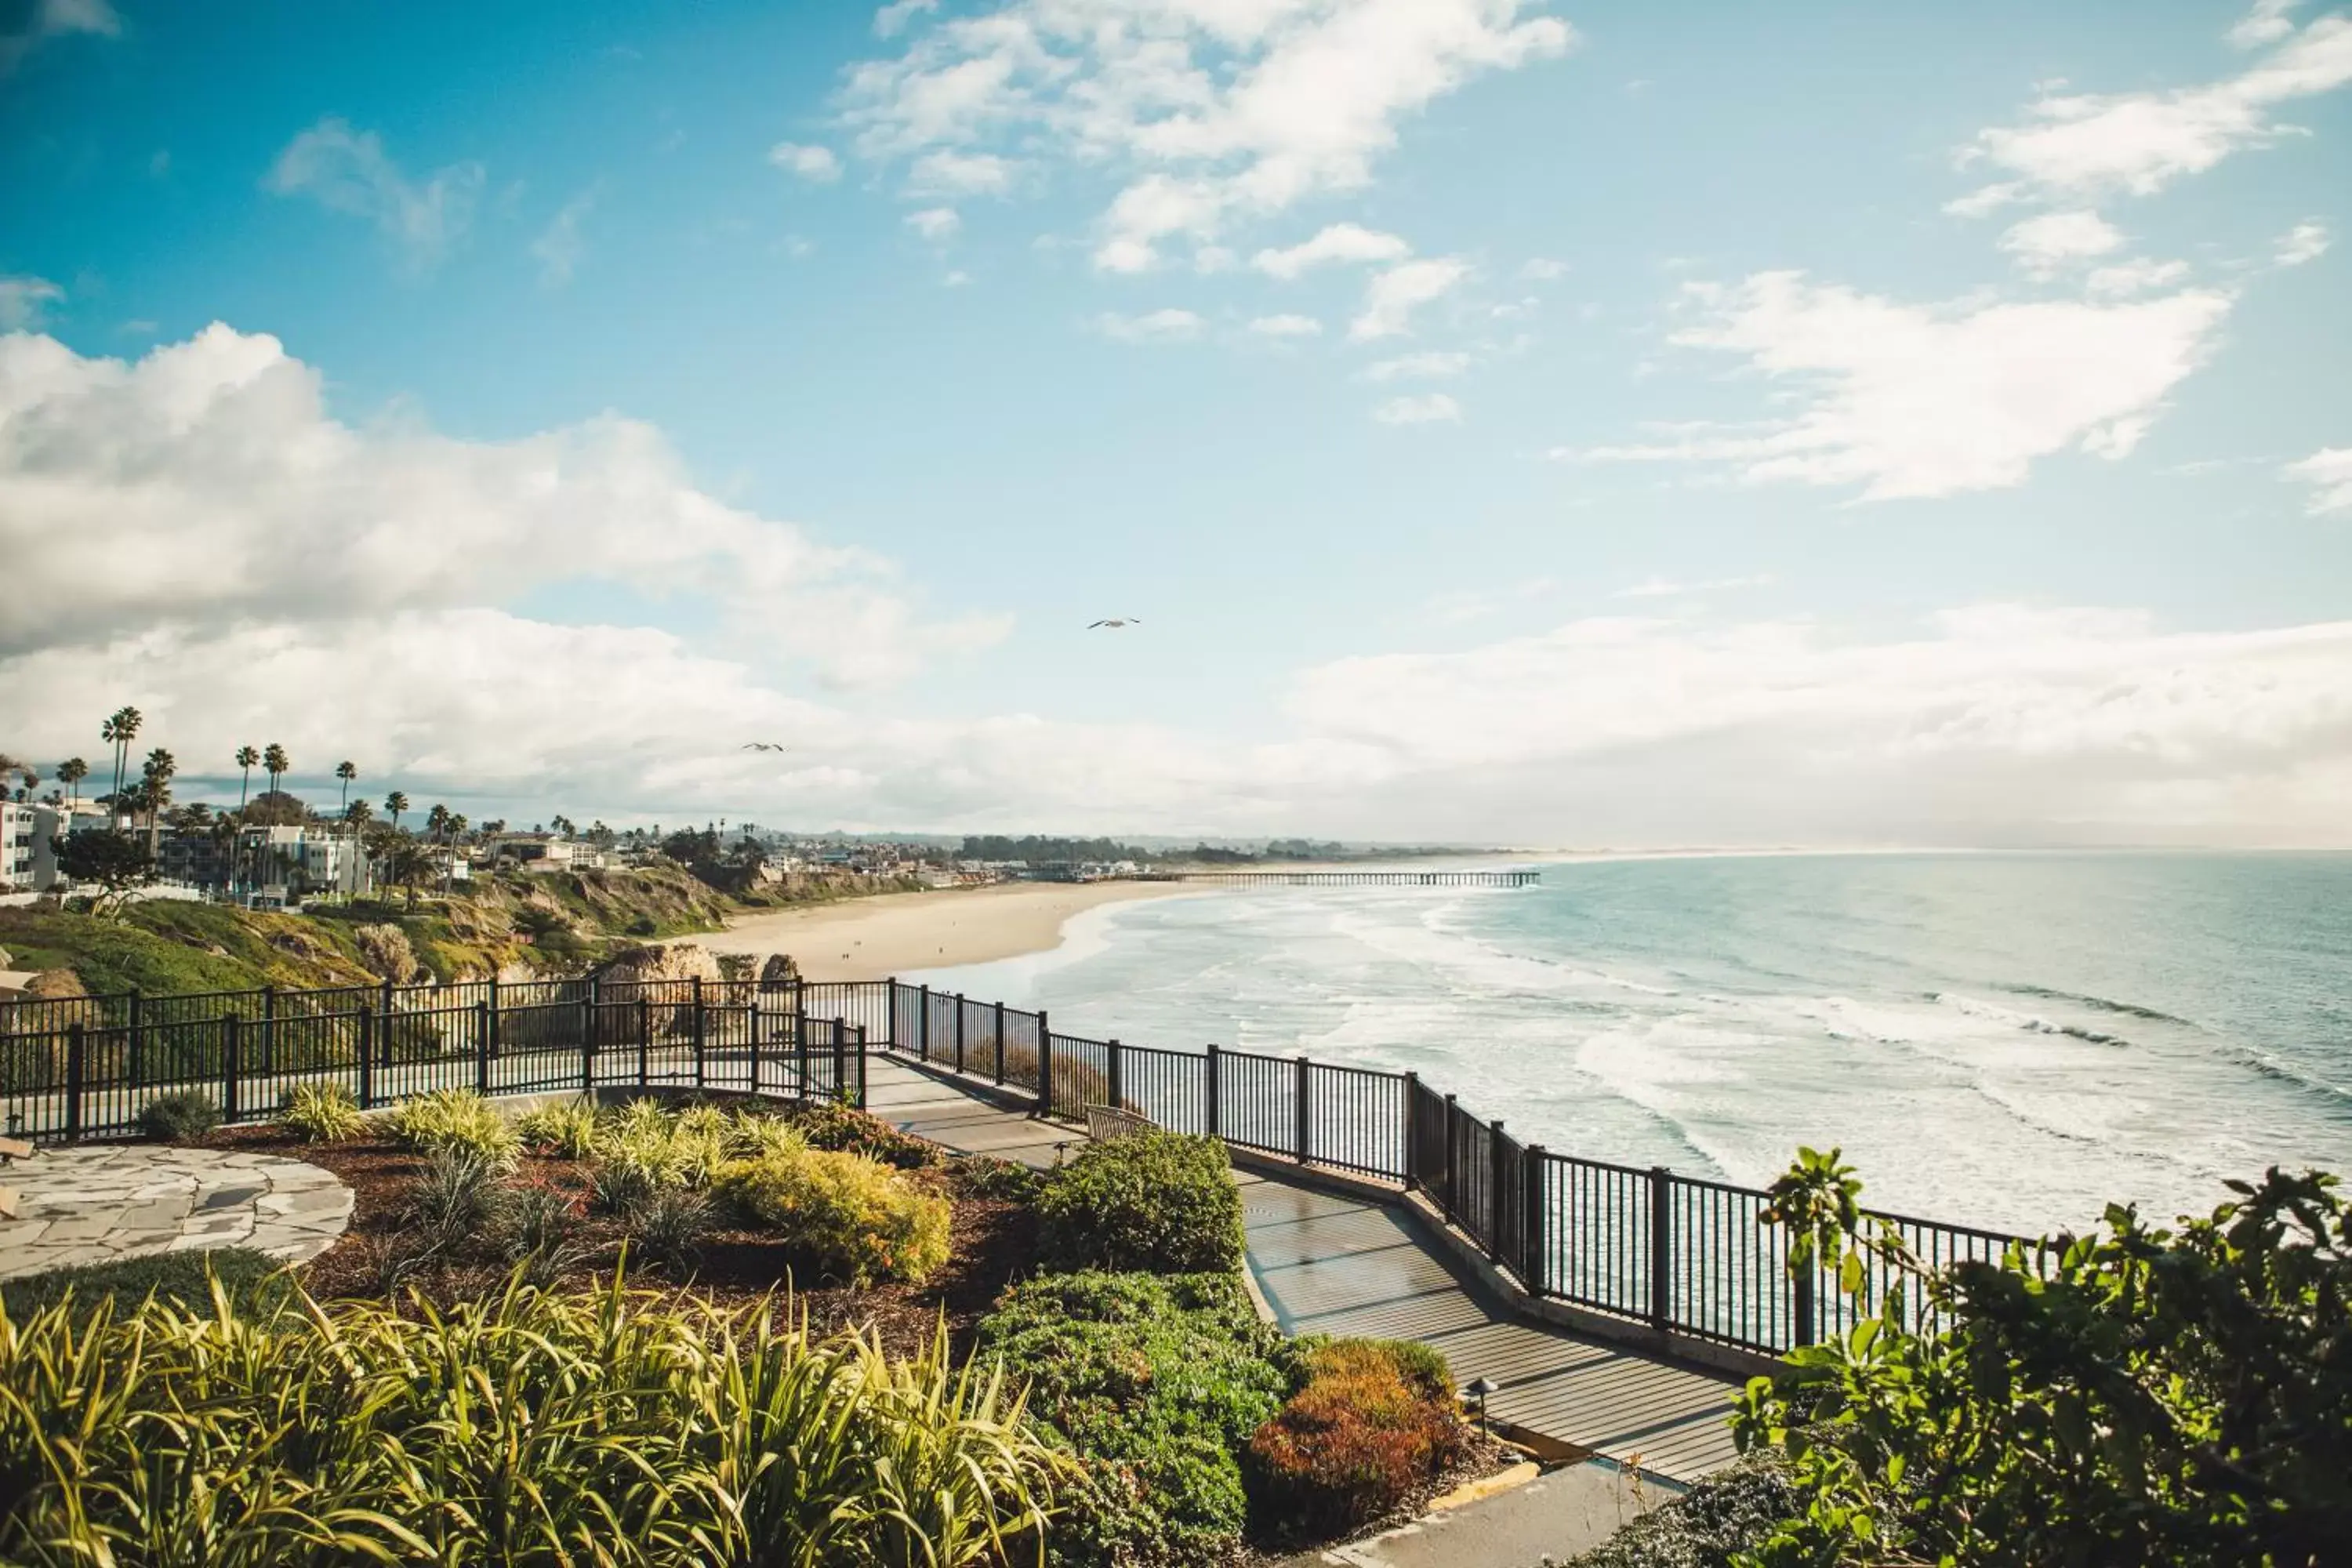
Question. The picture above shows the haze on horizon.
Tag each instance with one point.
(1510, 422)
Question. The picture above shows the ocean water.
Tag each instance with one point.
(2006, 1039)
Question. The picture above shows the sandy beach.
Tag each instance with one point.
(898, 933)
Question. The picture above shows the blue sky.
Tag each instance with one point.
(1545, 424)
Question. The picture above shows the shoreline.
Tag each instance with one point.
(885, 934)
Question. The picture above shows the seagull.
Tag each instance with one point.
(761, 746)
(1115, 624)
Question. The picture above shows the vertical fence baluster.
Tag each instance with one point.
(1661, 1246)
(1304, 1130)
(76, 1066)
(1211, 1094)
(482, 1015)
(923, 1027)
(1118, 1082)
(1446, 1203)
(701, 1022)
(645, 1039)
(861, 1067)
(138, 1044)
(367, 1057)
(841, 1059)
(268, 1029)
(1044, 1065)
(960, 1005)
(1532, 1209)
(232, 1064)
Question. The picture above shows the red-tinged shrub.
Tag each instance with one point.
(1370, 1425)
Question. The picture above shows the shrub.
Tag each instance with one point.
(1370, 1426)
(854, 1219)
(1156, 1382)
(322, 1113)
(179, 1115)
(1005, 1180)
(455, 1199)
(568, 1130)
(827, 1124)
(675, 1148)
(670, 1226)
(537, 1227)
(1160, 1201)
(1731, 1511)
(619, 1186)
(455, 1119)
(178, 1278)
(753, 1134)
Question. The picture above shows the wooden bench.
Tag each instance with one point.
(11, 1150)
(1105, 1122)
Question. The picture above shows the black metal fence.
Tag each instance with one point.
(1679, 1253)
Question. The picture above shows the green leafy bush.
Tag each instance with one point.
(567, 1129)
(1728, 1513)
(670, 1226)
(179, 1115)
(1157, 1383)
(1163, 1202)
(455, 1119)
(830, 1125)
(455, 1198)
(854, 1219)
(2135, 1394)
(1005, 1180)
(537, 1227)
(529, 1429)
(322, 1113)
(1374, 1422)
(181, 1278)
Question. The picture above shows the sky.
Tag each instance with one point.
(1504, 423)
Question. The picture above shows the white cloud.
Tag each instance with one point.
(948, 172)
(1340, 242)
(1391, 297)
(25, 302)
(1211, 110)
(935, 224)
(41, 20)
(1434, 408)
(1155, 327)
(2072, 145)
(2304, 242)
(1542, 270)
(205, 486)
(347, 171)
(1667, 588)
(1408, 367)
(818, 165)
(560, 246)
(2134, 276)
(892, 19)
(1935, 400)
(2264, 23)
(1286, 326)
(2330, 469)
(2049, 243)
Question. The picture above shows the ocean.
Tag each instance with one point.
(2012, 1040)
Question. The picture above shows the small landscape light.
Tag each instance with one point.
(1478, 1391)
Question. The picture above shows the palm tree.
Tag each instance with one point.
(120, 726)
(274, 763)
(245, 757)
(347, 771)
(393, 804)
(70, 772)
(156, 780)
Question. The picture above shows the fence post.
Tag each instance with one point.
(1303, 1108)
(138, 1044)
(482, 1016)
(367, 1057)
(700, 1024)
(1209, 1095)
(801, 1042)
(1044, 1065)
(75, 1066)
(1531, 1219)
(494, 1014)
(232, 1067)
(1445, 1202)
(923, 1027)
(841, 1057)
(959, 1031)
(1000, 1045)
(385, 1028)
(1662, 1247)
(1498, 1187)
(861, 1066)
(268, 1029)
(751, 1031)
(1808, 1324)
(1411, 1155)
(1117, 1087)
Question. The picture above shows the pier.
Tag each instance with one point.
(1360, 878)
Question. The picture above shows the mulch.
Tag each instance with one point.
(991, 1243)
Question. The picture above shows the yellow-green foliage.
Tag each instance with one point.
(686, 1147)
(567, 1129)
(855, 1219)
(455, 1119)
(531, 1429)
(321, 1113)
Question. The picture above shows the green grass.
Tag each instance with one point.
(181, 1278)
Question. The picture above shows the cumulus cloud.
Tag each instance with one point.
(1391, 297)
(36, 23)
(2329, 471)
(2051, 242)
(2304, 242)
(935, 224)
(2134, 276)
(1167, 326)
(1414, 368)
(560, 245)
(1434, 408)
(948, 172)
(206, 487)
(818, 165)
(1934, 400)
(1286, 326)
(348, 170)
(25, 302)
(2076, 145)
(1210, 111)
(2266, 21)
(1339, 242)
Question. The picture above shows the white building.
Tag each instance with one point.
(28, 855)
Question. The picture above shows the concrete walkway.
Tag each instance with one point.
(1334, 1262)
(101, 1203)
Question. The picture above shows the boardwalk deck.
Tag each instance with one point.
(1339, 1264)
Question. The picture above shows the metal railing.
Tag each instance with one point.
(1681, 1254)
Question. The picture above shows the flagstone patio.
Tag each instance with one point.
(101, 1203)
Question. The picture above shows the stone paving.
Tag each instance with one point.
(98, 1203)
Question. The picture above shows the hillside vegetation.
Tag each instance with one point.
(513, 925)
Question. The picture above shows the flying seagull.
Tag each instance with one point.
(761, 746)
(1115, 624)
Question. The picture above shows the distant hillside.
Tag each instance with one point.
(513, 925)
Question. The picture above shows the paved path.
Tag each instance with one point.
(1346, 1265)
(99, 1202)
